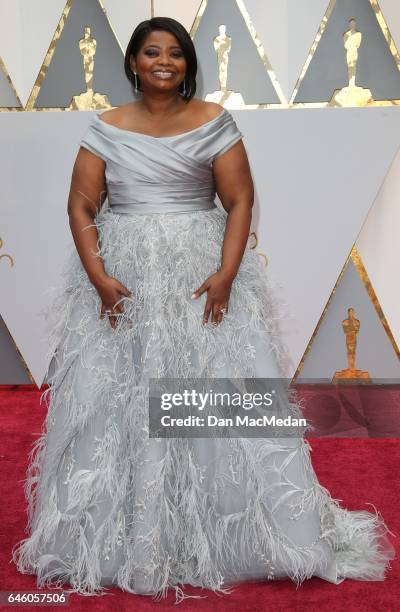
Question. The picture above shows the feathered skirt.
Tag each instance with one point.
(109, 505)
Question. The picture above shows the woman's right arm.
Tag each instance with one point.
(87, 194)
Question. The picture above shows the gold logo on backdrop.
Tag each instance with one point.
(260, 253)
(89, 100)
(222, 46)
(351, 327)
(355, 258)
(352, 95)
(353, 41)
(87, 46)
(6, 255)
(224, 96)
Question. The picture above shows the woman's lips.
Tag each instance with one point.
(163, 75)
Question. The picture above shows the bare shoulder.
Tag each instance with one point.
(119, 115)
(213, 109)
(207, 110)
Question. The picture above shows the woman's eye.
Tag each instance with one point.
(154, 52)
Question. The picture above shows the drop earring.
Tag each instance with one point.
(136, 87)
(183, 93)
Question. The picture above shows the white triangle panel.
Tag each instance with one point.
(184, 12)
(125, 16)
(26, 31)
(287, 30)
(379, 247)
(314, 186)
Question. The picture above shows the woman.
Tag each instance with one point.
(107, 503)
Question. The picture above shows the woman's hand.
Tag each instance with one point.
(111, 292)
(218, 286)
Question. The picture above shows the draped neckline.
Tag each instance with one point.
(200, 127)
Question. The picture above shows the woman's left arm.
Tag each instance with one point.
(234, 186)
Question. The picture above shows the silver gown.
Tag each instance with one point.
(107, 505)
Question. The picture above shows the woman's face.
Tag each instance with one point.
(160, 63)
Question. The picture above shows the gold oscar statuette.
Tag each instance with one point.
(352, 95)
(89, 100)
(351, 327)
(224, 96)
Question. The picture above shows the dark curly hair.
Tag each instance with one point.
(174, 27)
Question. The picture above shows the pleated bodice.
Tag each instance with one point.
(147, 174)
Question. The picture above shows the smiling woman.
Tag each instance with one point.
(153, 50)
(161, 66)
(107, 503)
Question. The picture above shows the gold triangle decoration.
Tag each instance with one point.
(354, 256)
(309, 59)
(351, 96)
(18, 106)
(260, 50)
(31, 103)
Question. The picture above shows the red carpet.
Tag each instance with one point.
(356, 471)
